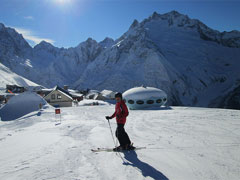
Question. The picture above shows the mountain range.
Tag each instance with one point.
(194, 64)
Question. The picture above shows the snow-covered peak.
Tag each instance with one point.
(107, 42)
(12, 42)
(88, 42)
(231, 38)
(44, 45)
(175, 19)
(172, 14)
(17, 38)
(89, 49)
(172, 18)
(45, 53)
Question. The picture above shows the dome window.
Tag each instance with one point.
(130, 101)
(150, 102)
(140, 102)
(159, 101)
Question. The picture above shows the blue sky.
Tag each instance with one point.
(66, 23)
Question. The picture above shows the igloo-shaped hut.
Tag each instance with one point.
(144, 97)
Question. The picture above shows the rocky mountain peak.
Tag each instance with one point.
(88, 43)
(11, 40)
(107, 42)
(173, 18)
(178, 20)
(134, 24)
(1, 26)
(44, 45)
(90, 40)
(107, 39)
(174, 13)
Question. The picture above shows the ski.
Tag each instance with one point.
(111, 149)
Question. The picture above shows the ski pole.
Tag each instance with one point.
(124, 162)
(111, 133)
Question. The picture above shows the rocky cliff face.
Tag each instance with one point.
(194, 64)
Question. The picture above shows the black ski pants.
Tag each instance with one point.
(122, 135)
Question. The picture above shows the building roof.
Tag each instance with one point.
(73, 94)
(64, 92)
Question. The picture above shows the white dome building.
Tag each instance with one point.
(144, 97)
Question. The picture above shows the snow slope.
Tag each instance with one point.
(7, 77)
(182, 144)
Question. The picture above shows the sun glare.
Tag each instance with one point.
(63, 2)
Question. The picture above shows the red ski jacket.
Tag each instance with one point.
(121, 112)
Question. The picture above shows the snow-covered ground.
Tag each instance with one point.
(182, 144)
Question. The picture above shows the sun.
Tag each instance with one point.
(63, 2)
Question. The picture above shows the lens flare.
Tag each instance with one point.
(63, 2)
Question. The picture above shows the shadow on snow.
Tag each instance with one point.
(145, 169)
(154, 108)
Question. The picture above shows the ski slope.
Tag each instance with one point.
(7, 77)
(182, 144)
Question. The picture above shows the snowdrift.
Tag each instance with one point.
(21, 105)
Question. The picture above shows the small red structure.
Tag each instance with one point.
(57, 111)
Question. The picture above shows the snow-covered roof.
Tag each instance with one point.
(94, 91)
(72, 91)
(65, 92)
(143, 93)
(2, 91)
(35, 88)
(7, 94)
(107, 92)
(21, 105)
(66, 95)
(76, 94)
(93, 95)
(56, 88)
(45, 89)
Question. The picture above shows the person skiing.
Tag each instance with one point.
(121, 113)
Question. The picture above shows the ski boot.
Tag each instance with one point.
(119, 148)
(129, 147)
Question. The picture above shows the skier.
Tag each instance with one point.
(121, 113)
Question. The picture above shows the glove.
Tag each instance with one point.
(107, 117)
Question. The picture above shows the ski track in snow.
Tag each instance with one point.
(182, 143)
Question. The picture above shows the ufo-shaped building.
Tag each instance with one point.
(144, 97)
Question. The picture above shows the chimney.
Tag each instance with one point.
(65, 87)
